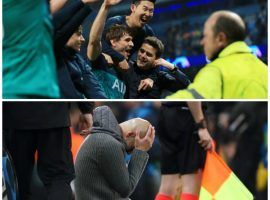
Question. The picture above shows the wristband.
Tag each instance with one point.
(174, 69)
(201, 124)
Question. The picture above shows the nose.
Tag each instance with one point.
(142, 55)
(131, 44)
(82, 39)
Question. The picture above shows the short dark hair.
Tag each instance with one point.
(231, 27)
(116, 31)
(137, 2)
(156, 43)
(79, 29)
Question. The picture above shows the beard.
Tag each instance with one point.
(143, 65)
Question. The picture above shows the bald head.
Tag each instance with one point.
(129, 129)
(230, 23)
(132, 125)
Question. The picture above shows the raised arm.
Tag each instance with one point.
(56, 5)
(94, 48)
(206, 85)
(179, 76)
(68, 19)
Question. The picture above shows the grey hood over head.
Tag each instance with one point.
(101, 170)
(105, 122)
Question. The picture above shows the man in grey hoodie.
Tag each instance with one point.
(101, 170)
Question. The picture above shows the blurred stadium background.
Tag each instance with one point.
(179, 24)
(240, 132)
(239, 129)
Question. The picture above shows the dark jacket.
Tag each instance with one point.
(166, 82)
(76, 80)
(171, 81)
(100, 167)
(35, 115)
(85, 81)
(137, 39)
(39, 115)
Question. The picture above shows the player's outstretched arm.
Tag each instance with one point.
(56, 5)
(94, 48)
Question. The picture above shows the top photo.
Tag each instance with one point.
(134, 49)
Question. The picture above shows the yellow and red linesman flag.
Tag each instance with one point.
(220, 183)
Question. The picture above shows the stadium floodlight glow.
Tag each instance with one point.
(256, 50)
(195, 3)
(181, 61)
(201, 60)
(170, 8)
(178, 6)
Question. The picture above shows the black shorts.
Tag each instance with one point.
(178, 136)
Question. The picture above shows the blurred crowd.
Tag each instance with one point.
(183, 37)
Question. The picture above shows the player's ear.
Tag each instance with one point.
(133, 7)
(112, 43)
(222, 39)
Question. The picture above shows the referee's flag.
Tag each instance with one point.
(220, 183)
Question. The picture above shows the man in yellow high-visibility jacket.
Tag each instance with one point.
(234, 73)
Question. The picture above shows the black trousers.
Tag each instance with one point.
(54, 164)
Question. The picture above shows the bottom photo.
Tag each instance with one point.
(147, 150)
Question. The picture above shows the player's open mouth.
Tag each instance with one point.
(144, 20)
(127, 51)
(79, 45)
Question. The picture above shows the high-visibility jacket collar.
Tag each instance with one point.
(236, 47)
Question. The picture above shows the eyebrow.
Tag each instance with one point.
(127, 36)
(147, 52)
(148, 8)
